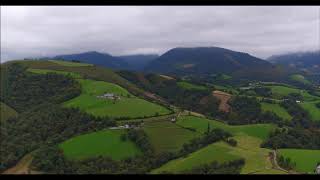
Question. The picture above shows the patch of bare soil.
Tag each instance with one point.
(224, 98)
(188, 65)
(22, 167)
(167, 77)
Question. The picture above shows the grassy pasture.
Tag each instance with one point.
(277, 109)
(167, 136)
(313, 110)
(46, 71)
(190, 86)
(306, 160)
(260, 131)
(248, 147)
(6, 112)
(226, 88)
(127, 106)
(213, 152)
(102, 143)
(279, 92)
(299, 78)
(88, 72)
(68, 63)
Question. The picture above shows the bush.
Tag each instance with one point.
(232, 142)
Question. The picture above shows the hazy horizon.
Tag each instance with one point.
(123, 30)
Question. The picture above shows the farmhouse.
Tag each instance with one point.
(109, 96)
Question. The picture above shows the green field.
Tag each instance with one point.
(249, 138)
(279, 92)
(126, 106)
(277, 109)
(190, 86)
(89, 72)
(260, 131)
(46, 71)
(226, 88)
(68, 63)
(306, 160)
(299, 78)
(105, 143)
(167, 136)
(313, 110)
(248, 147)
(6, 112)
(213, 152)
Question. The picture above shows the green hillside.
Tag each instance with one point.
(248, 147)
(6, 112)
(260, 131)
(45, 71)
(299, 78)
(167, 136)
(277, 109)
(106, 143)
(127, 106)
(72, 64)
(306, 160)
(280, 92)
(313, 110)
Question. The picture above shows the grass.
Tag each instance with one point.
(190, 86)
(226, 88)
(206, 155)
(248, 147)
(299, 78)
(260, 131)
(6, 112)
(68, 63)
(166, 136)
(313, 110)
(105, 143)
(306, 160)
(128, 106)
(279, 92)
(88, 72)
(277, 109)
(46, 71)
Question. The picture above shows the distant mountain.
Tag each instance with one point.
(97, 58)
(139, 61)
(307, 60)
(211, 60)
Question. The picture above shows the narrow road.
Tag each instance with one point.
(275, 164)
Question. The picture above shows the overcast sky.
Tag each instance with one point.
(260, 31)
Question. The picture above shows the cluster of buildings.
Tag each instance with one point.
(109, 96)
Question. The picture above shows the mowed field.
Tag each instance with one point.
(249, 138)
(306, 160)
(277, 109)
(279, 92)
(166, 136)
(248, 147)
(127, 106)
(313, 110)
(105, 143)
(46, 71)
(71, 64)
(6, 112)
(206, 155)
(260, 131)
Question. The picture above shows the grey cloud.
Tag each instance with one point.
(260, 31)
